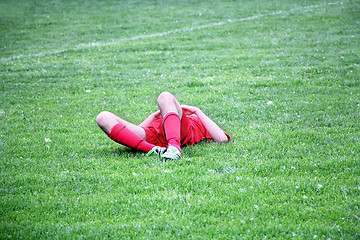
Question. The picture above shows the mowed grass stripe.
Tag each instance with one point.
(161, 34)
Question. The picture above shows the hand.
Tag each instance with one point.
(188, 110)
(156, 115)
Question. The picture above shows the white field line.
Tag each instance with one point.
(180, 30)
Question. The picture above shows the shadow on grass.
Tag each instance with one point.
(126, 152)
(197, 150)
(119, 152)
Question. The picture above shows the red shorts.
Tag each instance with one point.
(192, 130)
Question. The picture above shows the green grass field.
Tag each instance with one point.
(281, 77)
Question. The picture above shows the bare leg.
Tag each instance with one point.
(107, 120)
(168, 103)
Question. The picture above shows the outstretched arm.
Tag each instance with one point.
(215, 131)
(154, 116)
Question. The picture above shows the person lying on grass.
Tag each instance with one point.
(165, 131)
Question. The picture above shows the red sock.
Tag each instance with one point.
(124, 136)
(171, 123)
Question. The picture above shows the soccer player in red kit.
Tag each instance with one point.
(164, 131)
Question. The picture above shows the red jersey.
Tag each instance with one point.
(192, 131)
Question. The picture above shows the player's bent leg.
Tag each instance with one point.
(171, 113)
(123, 132)
(168, 103)
(172, 125)
(107, 120)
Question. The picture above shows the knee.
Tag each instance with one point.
(165, 97)
(102, 117)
